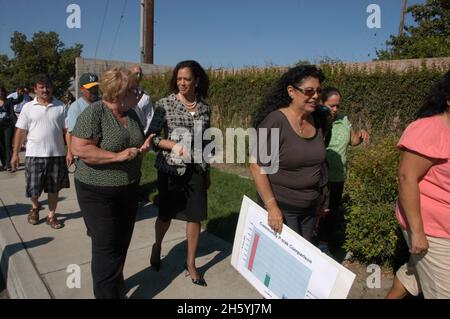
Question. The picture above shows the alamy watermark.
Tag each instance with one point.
(74, 279)
(374, 279)
(260, 146)
(74, 19)
(374, 19)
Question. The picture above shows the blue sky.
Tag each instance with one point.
(233, 33)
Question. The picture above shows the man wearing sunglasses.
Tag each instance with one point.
(144, 108)
(88, 85)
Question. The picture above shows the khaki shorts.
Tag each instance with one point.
(428, 273)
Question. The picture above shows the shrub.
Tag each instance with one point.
(371, 231)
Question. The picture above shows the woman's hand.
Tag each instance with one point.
(365, 136)
(275, 218)
(419, 243)
(127, 154)
(147, 146)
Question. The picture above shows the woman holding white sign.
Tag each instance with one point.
(290, 192)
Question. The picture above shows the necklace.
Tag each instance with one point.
(189, 106)
(300, 128)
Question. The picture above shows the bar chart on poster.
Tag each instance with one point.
(273, 272)
(284, 266)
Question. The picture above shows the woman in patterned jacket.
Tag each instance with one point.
(183, 172)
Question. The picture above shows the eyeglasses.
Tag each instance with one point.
(308, 91)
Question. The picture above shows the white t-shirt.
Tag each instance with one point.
(144, 111)
(45, 128)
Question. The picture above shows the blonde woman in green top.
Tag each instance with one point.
(108, 139)
(342, 135)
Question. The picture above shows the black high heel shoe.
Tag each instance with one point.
(198, 281)
(155, 257)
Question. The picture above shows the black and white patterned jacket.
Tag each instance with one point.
(170, 121)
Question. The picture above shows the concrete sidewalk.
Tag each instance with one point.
(35, 259)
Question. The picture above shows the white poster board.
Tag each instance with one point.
(284, 265)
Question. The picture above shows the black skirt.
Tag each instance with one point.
(183, 197)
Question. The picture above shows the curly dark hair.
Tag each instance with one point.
(199, 73)
(436, 101)
(278, 97)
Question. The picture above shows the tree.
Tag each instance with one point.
(5, 71)
(45, 53)
(428, 38)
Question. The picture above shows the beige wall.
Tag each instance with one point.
(394, 65)
(402, 65)
(83, 65)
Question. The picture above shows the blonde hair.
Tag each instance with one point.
(116, 82)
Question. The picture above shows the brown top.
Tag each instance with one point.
(297, 180)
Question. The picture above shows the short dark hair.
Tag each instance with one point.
(329, 92)
(199, 73)
(43, 79)
(436, 101)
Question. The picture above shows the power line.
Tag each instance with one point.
(101, 28)
(118, 27)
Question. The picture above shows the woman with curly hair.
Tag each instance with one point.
(423, 206)
(291, 116)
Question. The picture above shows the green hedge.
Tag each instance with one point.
(383, 101)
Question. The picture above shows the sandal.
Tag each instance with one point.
(33, 216)
(53, 222)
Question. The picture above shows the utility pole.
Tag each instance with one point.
(147, 18)
(402, 19)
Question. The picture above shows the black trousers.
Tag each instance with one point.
(301, 220)
(109, 214)
(6, 145)
(328, 224)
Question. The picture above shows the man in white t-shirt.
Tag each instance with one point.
(144, 108)
(43, 121)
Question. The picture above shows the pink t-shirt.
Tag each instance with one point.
(431, 137)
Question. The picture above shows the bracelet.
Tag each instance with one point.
(270, 200)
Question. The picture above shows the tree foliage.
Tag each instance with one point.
(428, 38)
(44, 53)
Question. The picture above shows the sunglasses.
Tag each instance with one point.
(308, 91)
